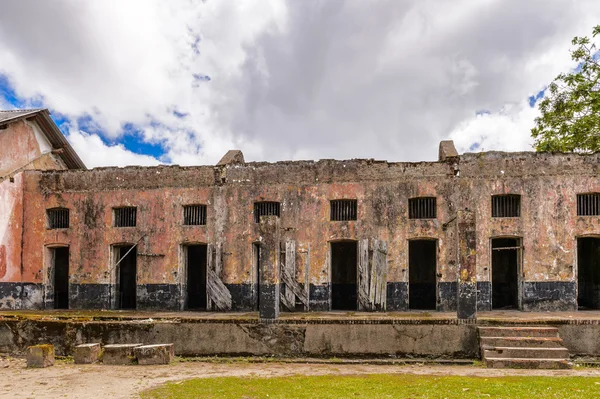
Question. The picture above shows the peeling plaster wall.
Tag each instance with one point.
(548, 224)
(24, 146)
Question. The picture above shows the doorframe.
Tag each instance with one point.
(576, 262)
(330, 267)
(114, 271)
(183, 272)
(520, 269)
(437, 264)
(48, 282)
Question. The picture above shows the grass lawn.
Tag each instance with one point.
(380, 386)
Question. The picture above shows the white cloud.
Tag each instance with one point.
(293, 79)
(96, 153)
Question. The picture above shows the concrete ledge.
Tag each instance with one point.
(87, 353)
(358, 335)
(119, 354)
(39, 356)
(154, 354)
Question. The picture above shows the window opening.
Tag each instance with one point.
(588, 204)
(342, 210)
(506, 206)
(126, 216)
(422, 208)
(58, 218)
(267, 208)
(194, 215)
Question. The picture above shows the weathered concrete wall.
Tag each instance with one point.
(239, 337)
(548, 224)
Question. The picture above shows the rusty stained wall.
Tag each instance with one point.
(548, 224)
(16, 288)
(24, 146)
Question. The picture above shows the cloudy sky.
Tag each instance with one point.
(147, 82)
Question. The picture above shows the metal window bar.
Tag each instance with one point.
(506, 206)
(58, 218)
(422, 208)
(342, 210)
(267, 208)
(194, 215)
(125, 217)
(588, 204)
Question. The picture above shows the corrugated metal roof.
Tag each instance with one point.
(6, 116)
(52, 132)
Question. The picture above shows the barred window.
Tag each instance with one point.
(266, 208)
(58, 218)
(194, 215)
(422, 208)
(506, 206)
(125, 216)
(341, 210)
(588, 204)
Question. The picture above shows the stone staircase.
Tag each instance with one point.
(523, 347)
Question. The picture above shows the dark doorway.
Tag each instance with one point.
(256, 268)
(127, 277)
(344, 295)
(61, 277)
(196, 276)
(505, 273)
(588, 273)
(422, 281)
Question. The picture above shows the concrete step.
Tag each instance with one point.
(521, 342)
(518, 363)
(526, 353)
(518, 332)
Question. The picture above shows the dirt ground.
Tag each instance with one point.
(100, 381)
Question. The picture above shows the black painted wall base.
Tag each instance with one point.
(553, 296)
(397, 297)
(537, 296)
(158, 297)
(269, 301)
(242, 297)
(447, 292)
(466, 307)
(21, 296)
(319, 298)
(484, 296)
(89, 296)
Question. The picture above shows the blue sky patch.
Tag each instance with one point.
(534, 99)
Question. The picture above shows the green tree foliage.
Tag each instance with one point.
(570, 110)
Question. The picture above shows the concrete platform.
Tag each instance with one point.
(330, 334)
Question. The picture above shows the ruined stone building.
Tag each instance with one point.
(470, 232)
